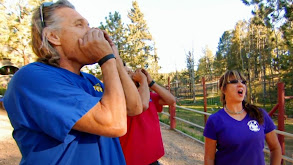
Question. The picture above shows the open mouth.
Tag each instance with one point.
(240, 91)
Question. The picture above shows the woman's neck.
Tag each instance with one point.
(234, 107)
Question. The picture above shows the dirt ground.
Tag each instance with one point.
(179, 149)
(9, 153)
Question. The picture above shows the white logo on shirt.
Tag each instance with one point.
(253, 126)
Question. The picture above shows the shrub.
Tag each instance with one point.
(2, 91)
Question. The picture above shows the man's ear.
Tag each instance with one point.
(53, 37)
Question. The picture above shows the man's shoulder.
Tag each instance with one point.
(91, 77)
(88, 75)
(40, 72)
(35, 67)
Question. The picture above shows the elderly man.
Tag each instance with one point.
(61, 115)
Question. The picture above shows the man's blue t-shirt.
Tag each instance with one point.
(43, 103)
(238, 142)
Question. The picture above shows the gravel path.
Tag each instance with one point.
(9, 153)
(179, 149)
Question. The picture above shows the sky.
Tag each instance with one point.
(177, 26)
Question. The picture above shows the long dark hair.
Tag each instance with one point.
(252, 110)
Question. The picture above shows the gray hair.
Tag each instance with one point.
(41, 46)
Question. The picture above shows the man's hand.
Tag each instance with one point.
(143, 88)
(94, 45)
(139, 76)
(113, 46)
(149, 78)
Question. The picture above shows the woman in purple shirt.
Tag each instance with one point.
(235, 134)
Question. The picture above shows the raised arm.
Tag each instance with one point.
(133, 102)
(166, 97)
(108, 116)
(143, 88)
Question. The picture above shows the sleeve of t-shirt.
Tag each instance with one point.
(269, 124)
(155, 98)
(50, 103)
(209, 130)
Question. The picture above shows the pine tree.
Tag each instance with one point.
(153, 66)
(115, 28)
(190, 68)
(140, 47)
(224, 46)
(15, 27)
(4, 30)
(274, 14)
(205, 65)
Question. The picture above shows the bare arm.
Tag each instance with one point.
(275, 148)
(108, 116)
(143, 88)
(166, 97)
(209, 151)
(133, 101)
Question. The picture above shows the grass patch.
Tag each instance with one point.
(164, 119)
(190, 130)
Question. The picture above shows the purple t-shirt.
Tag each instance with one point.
(238, 142)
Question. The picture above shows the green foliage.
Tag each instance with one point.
(190, 68)
(190, 131)
(2, 91)
(141, 51)
(117, 31)
(15, 31)
(274, 14)
(164, 118)
(205, 66)
(133, 41)
(255, 49)
(220, 62)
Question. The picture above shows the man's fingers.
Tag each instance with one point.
(94, 45)
(85, 38)
(90, 36)
(107, 37)
(95, 34)
(80, 42)
(101, 34)
(144, 71)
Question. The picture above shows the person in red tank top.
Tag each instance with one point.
(142, 144)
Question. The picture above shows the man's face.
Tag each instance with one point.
(73, 27)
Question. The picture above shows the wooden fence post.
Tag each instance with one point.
(204, 98)
(281, 114)
(172, 110)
